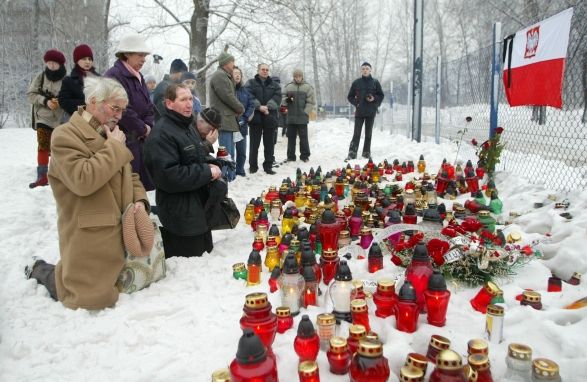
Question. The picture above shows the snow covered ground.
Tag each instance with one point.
(185, 326)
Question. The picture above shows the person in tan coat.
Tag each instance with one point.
(92, 182)
(47, 113)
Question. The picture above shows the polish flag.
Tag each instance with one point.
(534, 62)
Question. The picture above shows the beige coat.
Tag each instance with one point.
(36, 97)
(223, 97)
(92, 182)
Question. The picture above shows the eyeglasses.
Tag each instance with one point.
(116, 109)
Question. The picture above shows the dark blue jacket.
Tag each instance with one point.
(360, 89)
(246, 99)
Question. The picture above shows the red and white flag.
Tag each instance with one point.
(534, 62)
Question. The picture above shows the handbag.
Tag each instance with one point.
(224, 215)
(143, 254)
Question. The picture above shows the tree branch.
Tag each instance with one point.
(173, 16)
(223, 27)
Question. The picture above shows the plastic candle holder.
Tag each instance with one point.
(257, 316)
(484, 296)
(339, 356)
(360, 314)
(284, 319)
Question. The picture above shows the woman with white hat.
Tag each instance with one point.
(138, 117)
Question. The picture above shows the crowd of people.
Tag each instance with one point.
(113, 138)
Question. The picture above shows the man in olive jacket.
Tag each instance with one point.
(298, 102)
(366, 96)
(267, 97)
(223, 98)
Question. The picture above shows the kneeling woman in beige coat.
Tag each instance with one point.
(92, 182)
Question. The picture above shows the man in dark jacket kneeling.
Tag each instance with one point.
(176, 156)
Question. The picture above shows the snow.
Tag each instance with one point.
(186, 326)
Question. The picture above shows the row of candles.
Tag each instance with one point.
(361, 353)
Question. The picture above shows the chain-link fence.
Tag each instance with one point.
(546, 145)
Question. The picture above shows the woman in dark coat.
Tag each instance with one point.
(71, 95)
(246, 99)
(138, 119)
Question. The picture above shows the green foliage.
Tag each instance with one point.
(490, 152)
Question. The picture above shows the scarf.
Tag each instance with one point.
(92, 121)
(83, 73)
(55, 75)
(132, 71)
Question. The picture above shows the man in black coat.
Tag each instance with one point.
(266, 97)
(365, 95)
(177, 159)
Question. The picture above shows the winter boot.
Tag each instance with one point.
(41, 177)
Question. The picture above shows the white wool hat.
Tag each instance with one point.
(132, 43)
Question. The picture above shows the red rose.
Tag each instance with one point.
(498, 130)
(485, 145)
(474, 142)
(396, 260)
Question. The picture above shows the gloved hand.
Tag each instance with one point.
(227, 162)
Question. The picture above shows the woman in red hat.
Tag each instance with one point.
(71, 95)
(47, 114)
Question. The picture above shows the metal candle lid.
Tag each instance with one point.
(357, 285)
(330, 254)
(370, 349)
(483, 213)
(221, 375)
(372, 336)
(492, 288)
(365, 231)
(520, 351)
(283, 311)
(449, 360)
(308, 369)
(325, 319)
(477, 346)
(385, 285)
(344, 234)
(495, 310)
(338, 345)
(531, 296)
(439, 342)
(256, 300)
(545, 367)
(357, 331)
(411, 374)
(238, 267)
(417, 360)
(479, 362)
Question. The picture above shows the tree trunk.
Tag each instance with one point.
(103, 62)
(199, 45)
(315, 67)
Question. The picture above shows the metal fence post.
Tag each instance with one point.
(409, 108)
(437, 119)
(417, 78)
(496, 69)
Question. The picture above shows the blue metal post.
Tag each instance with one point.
(495, 78)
